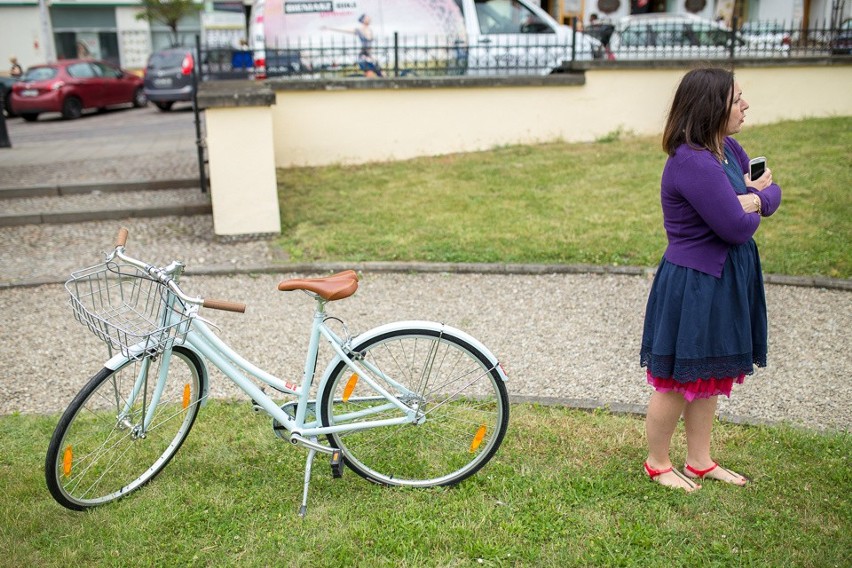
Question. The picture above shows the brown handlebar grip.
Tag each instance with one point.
(121, 239)
(224, 305)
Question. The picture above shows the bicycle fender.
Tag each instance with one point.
(429, 325)
(118, 360)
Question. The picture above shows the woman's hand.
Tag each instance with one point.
(750, 202)
(760, 183)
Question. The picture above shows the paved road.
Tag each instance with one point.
(122, 144)
(116, 123)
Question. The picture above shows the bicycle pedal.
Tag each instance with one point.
(337, 464)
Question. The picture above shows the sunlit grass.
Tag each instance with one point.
(594, 203)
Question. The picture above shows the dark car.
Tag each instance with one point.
(6, 88)
(841, 43)
(71, 86)
(168, 77)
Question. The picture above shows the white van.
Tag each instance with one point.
(385, 37)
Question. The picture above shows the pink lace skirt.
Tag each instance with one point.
(702, 388)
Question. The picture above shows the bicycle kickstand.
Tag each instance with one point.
(303, 510)
(336, 472)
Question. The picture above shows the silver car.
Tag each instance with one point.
(679, 36)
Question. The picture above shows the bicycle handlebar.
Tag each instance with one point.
(121, 238)
(165, 277)
(224, 305)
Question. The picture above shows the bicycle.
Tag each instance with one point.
(410, 403)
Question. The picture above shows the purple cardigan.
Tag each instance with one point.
(701, 213)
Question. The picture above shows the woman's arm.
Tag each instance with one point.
(766, 190)
(352, 32)
(701, 181)
(770, 199)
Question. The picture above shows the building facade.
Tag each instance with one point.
(36, 31)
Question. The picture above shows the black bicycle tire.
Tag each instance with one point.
(56, 445)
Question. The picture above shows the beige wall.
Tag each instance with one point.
(351, 126)
(243, 188)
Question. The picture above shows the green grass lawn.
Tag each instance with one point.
(563, 203)
(565, 489)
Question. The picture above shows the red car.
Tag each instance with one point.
(71, 85)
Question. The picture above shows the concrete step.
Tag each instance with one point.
(103, 205)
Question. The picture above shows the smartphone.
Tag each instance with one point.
(756, 167)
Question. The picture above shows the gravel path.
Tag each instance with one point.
(571, 337)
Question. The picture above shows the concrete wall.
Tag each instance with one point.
(352, 125)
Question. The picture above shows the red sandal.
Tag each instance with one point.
(654, 473)
(702, 473)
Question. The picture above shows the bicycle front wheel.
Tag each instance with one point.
(103, 448)
(457, 395)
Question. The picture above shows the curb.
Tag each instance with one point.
(76, 189)
(102, 215)
(451, 268)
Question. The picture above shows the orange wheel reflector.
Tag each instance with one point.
(350, 386)
(186, 393)
(477, 439)
(67, 458)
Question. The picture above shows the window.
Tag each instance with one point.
(81, 71)
(508, 17)
(106, 71)
(637, 35)
(672, 34)
(40, 74)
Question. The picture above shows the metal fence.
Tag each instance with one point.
(539, 54)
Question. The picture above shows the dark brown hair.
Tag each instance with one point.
(700, 110)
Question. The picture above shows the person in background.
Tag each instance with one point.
(705, 321)
(15, 71)
(364, 33)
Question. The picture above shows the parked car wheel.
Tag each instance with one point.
(30, 116)
(164, 105)
(72, 108)
(139, 98)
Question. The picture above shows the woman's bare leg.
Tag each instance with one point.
(698, 421)
(664, 411)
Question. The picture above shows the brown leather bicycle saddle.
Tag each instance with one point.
(334, 287)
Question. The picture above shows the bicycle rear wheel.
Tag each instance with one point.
(100, 451)
(458, 396)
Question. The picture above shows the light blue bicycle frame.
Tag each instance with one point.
(203, 341)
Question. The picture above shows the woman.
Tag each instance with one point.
(705, 322)
(365, 35)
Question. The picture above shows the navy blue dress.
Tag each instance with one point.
(701, 328)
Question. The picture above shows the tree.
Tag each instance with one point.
(168, 12)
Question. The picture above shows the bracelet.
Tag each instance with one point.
(757, 203)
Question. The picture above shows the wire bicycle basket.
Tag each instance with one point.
(127, 309)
